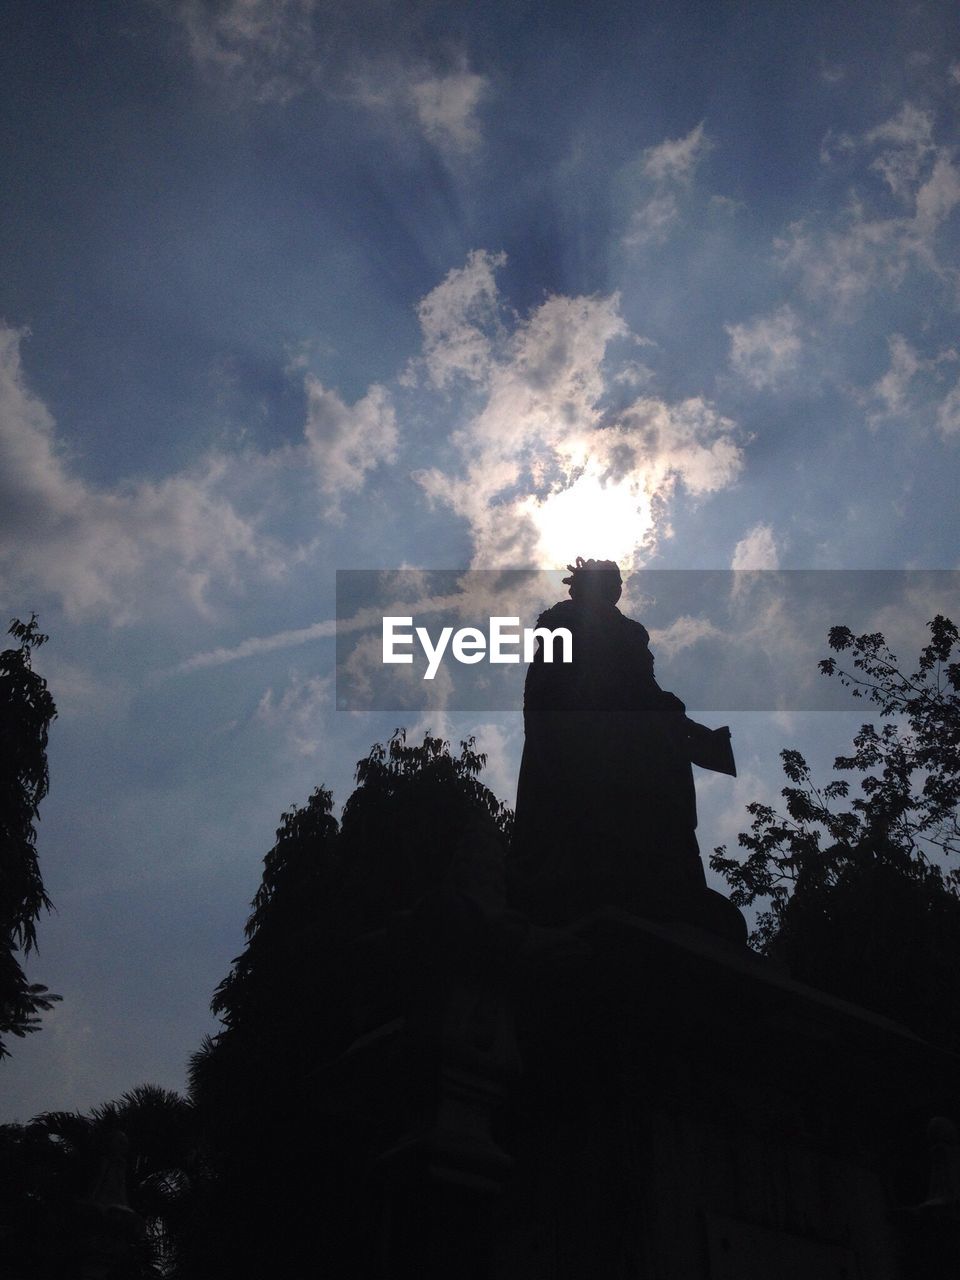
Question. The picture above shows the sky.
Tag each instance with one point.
(295, 286)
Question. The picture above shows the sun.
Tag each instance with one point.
(591, 518)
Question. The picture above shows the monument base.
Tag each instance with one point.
(685, 1111)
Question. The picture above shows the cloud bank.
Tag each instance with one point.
(102, 549)
(272, 51)
(549, 453)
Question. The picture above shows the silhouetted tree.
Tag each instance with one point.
(250, 1083)
(400, 823)
(861, 898)
(323, 883)
(49, 1175)
(165, 1166)
(298, 875)
(307, 984)
(26, 711)
(429, 771)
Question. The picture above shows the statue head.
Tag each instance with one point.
(594, 580)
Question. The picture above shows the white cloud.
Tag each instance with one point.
(253, 646)
(633, 373)
(667, 170)
(936, 200)
(840, 266)
(683, 633)
(544, 470)
(110, 550)
(84, 691)
(869, 249)
(911, 388)
(653, 220)
(408, 598)
(456, 318)
(345, 442)
(911, 128)
(763, 351)
(446, 107)
(676, 160)
(268, 51)
(265, 49)
(892, 388)
(140, 545)
(911, 155)
(756, 550)
(835, 145)
(948, 413)
(764, 619)
(442, 106)
(298, 713)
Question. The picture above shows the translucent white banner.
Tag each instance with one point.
(722, 640)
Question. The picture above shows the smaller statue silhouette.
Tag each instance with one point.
(606, 808)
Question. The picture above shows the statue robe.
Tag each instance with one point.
(606, 809)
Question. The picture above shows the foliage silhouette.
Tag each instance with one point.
(49, 1170)
(862, 900)
(401, 822)
(296, 872)
(26, 711)
(308, 982)
(251, 1082)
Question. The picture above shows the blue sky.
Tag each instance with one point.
(293, 286)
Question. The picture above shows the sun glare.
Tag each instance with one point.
(607, 521)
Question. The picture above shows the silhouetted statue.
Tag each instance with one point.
(606, 809)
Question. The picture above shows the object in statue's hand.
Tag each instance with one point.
(710, 748)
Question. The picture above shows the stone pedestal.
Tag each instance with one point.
(685, 1111)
